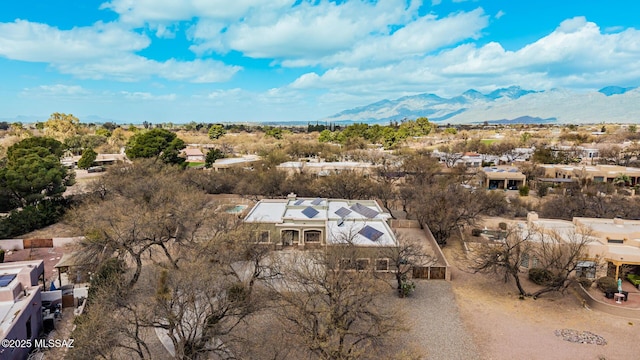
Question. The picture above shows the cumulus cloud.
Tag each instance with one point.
(101, 51)
(304, 30)
(28, 41)
(147, 96)
(55, 90)
(576, 54)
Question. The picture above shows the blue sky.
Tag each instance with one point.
(297, 60)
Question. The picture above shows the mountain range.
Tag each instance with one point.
(612, 104)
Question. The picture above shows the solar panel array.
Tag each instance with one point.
(343, 212)
(370, 233)
(6, 279)
(298, 202)
(310, 212)
(316, 201)
(364, 211)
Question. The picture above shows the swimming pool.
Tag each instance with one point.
(234, 209)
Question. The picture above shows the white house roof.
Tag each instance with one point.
(343, 219)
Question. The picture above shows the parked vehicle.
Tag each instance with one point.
(95, 169)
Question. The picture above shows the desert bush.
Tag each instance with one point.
(476, 232)
(540, 276)
(502, 226)
(607, 284)
(524, 190)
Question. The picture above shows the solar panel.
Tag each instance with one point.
(298, 202)
(310, 212)
(316, 201)
(364, 211)
(343, 212)
(370, 233)
(6, 279)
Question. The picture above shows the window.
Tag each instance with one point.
(312, 236)
(262, 236)
(615, 241)
(534, 262)
(362, 264)
(382, 264)
(524, 261)
(586, 269)
(347, 264)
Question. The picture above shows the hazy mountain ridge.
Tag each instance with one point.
(612, 104)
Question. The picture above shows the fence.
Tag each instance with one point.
(606, 308)
(21, 244)
(440, 271)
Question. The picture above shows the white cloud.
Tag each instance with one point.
(28, 41)
(55, 90)
(500, 14)
(576, 54)
(305, 30)
(139, 12)
(417, 38)
(102, 51)
(147, 96)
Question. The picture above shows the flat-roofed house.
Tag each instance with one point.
(323, 168)
(614, 241)
(193, 155)
(247, 161)
(595, 173)
(324, 223)
(502, 177)
(20, 305)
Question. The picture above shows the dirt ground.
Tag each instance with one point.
(505, 327)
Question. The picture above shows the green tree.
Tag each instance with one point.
(156, 143)
(216, 131)
(33, 171)
(212, 156)
(273, 132)
(87, 159)
(61, 126)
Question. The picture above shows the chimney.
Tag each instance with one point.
(618, 221)
(532, 216)
(292, 196)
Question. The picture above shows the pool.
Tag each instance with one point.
(234, 209)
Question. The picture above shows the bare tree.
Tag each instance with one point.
(141, 212)
(330, 306)
(504, 257)
(558, 252)
(404, 257)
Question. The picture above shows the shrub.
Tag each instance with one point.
(476, 232)
(607, 284)
(586, 283)
(540, 276)
(524, 190)
(543, 189)
(406, 288)
(502, 226)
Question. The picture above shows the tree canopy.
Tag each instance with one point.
(33, 170)
(156, 143)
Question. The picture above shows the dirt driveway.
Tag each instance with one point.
(504, 327)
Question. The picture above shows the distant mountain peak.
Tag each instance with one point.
(505, 105)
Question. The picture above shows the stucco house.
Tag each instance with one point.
(20, 304)
(307, 223)
(614, 242)
(502, 177)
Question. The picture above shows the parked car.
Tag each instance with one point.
(95, 169)
(635, 280)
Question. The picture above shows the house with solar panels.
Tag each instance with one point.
(308, 223)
